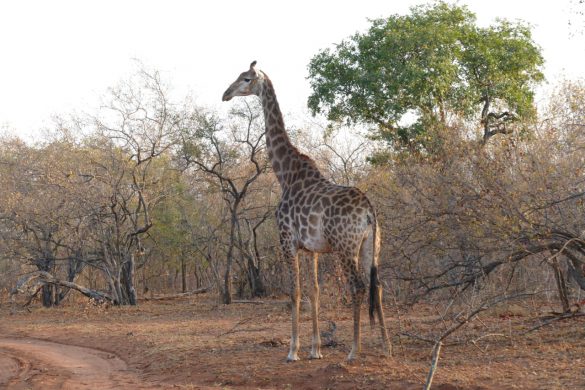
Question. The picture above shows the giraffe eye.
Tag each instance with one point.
(247, 80)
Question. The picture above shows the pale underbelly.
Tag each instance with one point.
(317, 244)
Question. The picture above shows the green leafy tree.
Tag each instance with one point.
(408, 75)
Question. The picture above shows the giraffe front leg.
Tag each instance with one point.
(293, 354)
(316, 342)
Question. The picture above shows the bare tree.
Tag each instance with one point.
(232, 160)
(42, 217)
(136, 128)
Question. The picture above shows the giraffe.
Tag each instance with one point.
(317, 216)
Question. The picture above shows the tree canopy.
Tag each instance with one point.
(407, 74)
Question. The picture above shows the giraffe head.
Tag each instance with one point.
(247, 83)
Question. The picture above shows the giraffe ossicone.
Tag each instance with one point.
(316, 216)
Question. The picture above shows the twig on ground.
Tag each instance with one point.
(417, 337)
(550, 320)
(474, 341)
(248, 301)
(180, 295)
(233, 329)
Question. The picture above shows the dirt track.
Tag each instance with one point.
(194, 343)
(29, 363)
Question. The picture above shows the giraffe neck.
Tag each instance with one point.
(281, 152)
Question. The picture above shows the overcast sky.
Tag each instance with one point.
(61, 56)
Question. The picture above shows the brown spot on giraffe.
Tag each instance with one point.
(333, 219)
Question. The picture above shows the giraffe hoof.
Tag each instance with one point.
(291, 359)
(314, 356)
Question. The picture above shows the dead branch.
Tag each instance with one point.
(268, 302)
(476, 340)
(417, 337)
(30, 284)
(482, 272)
(461, 320)
(248, 301)
(32, 296)
(233, 329)
(434, 362)
(180, 295)
(551, 320)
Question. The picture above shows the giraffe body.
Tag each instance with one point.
(316, 216)
(323, 217)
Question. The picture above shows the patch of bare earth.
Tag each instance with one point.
(33, 363)
(194, 343)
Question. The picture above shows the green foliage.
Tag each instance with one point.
(409, 73)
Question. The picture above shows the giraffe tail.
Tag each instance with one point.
(375, 294)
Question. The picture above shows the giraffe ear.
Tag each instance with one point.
(253, 65)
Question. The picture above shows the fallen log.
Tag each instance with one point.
(32, 282)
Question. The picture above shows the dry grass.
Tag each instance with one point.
(194, 343)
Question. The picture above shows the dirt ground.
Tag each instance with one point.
(194, 343)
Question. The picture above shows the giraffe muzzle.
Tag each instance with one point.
(227, 95)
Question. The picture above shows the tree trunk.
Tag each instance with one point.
(46, 264)
(112, 285)
(254, 268)
(561, 285)
(74, 267)
(144, 282)
(256, 285)
(227, 280)
(128, 280)
(183, 274)
(119, 293)
(47, 295)
(227, 286)
(196, 274)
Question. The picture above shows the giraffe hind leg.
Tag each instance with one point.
(358, 291)
(369, 253)
(386, 344)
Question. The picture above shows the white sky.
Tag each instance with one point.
(60, 56)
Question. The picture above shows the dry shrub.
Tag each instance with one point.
(476, 225)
